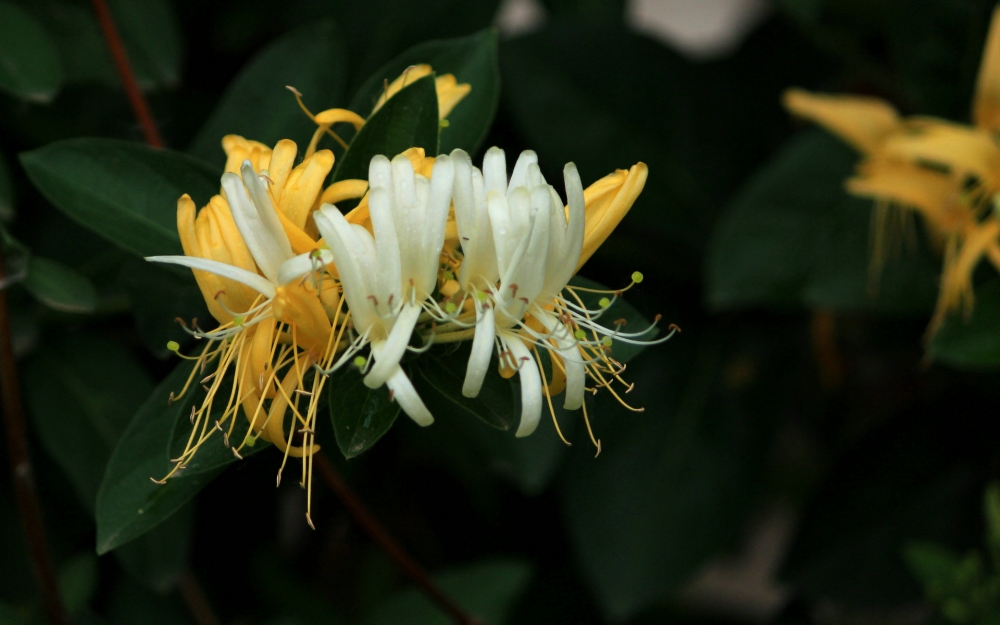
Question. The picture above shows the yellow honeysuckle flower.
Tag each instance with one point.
(449, 91)
(948, 173)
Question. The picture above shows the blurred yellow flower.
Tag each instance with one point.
(948, 173)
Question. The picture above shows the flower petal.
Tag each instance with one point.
(252, 280)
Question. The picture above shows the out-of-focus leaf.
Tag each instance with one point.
(59, 287)
(148, 28)
(77, 582)
(130, 603)
(672, 485)
(152, 38)
(911, 480)
(472, 60)
(931, 563)
(572, 98)
(82, 394)
(972, 341)
(124, 191)
(129, 503)
(360, 415)
(6, 192)
(439, 375)
(486, 591)
(794, 237)
(408, 119)
(29, 62)
(258, 106)
(159, 297)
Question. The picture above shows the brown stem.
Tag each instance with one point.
(196, 600)
(378, 533)
(140, 108)
(23, 477)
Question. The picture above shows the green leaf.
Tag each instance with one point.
(59, 287)
(360, 415)
(931, 563)
(78, 581)
(672, 486)
(6, 192)
(408, 119)
(29, 62)
(152, 37)
(124, 191)
(257, 105)
(486, 591)
(129, 503)
(972, 341)
(148, 28)
(439, 374)
(159, 297)
(472, 60)
(793, 237)
(82, 393)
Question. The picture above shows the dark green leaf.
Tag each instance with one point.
(123, 191)
(472, 60)
(972, 341)
(793, 237)
(159, 297)
(259, 107)
(408, 119)
(931, 563)
(439, 374)
(6, 192)
(29, 62)
(82, 394)
(78, 581)
(148, 28)
(129, 503)
(152, 38)
(360, 415)
(672, 485)
(59, 287)
(910, 480)
(486, 591)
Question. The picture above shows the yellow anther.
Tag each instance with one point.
(481, 296)
(360, 361)
(450, 307)
(637, 277)
(605, 302)
(606, 341)
(173, 346)
(580, 334)
(238, 320)
(444, 123)
(250, 441)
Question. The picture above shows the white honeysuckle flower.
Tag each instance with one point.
(388, 278)
(261, 230)
(520, 248)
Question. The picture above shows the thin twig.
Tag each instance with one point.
(140, 108)
(378, 533)
(21, 472)
(196, 599)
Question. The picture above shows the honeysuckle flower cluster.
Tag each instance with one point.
(945, 172)
(436, 250)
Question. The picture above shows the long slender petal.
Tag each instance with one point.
(482, 349)
(407, 397)
(394, 347)
(531, 384)
(252, 280)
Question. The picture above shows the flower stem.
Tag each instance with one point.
(23, 477)
(378, 533)
(140, 108)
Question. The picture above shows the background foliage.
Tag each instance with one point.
(794, 392)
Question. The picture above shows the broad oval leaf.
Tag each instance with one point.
(123, 191)
(29, 61)
(794, 237)
(258, 106)
(972, 341)
(360, 415)
(129, 503)
(408, 119)
(59, 287)
(472, 60)
(439, 375)
(159, 297)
